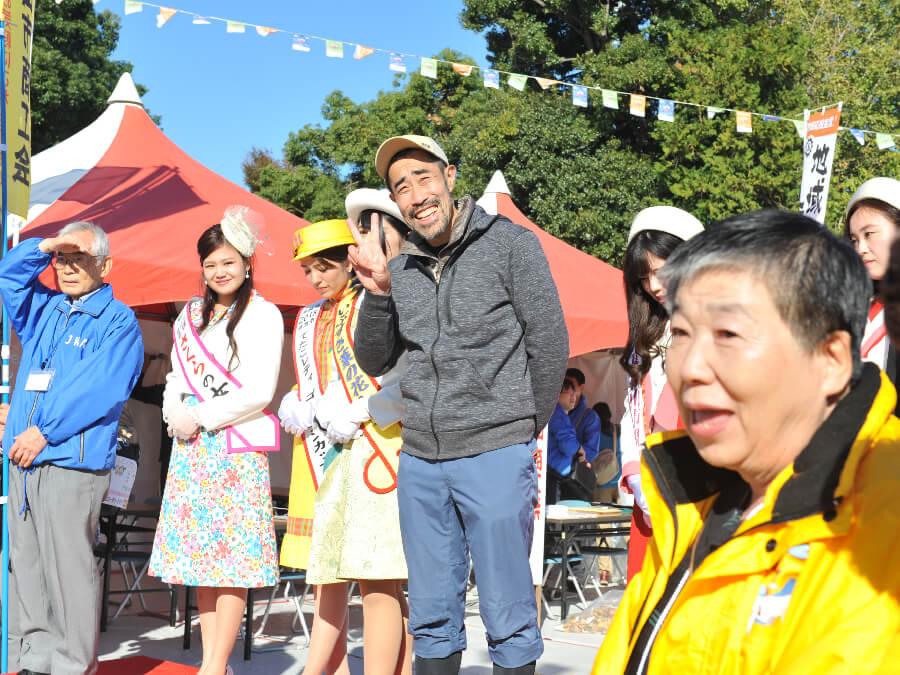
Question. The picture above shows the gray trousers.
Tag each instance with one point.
(54, 574)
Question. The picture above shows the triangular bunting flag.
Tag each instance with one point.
(263, 31)
(638, 105)
(884, 141)
(300, 43)
(165, 13)
(133, 6)
(579, 96)
(610, 99)
(361, 52)
(771, 118)
(665, 110)
(334, 49)
(800, 126)
(712, 111)
(234, 27)
(200, 20)
(462, 68)
(744, 122)
(428, 67)
(859, 135)
(545, 82)
(492, 78)
(517, 81)
(397, 64)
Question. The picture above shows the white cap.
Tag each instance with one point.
(367, 198)
(668, 219)
(883, 189)
(392, 146)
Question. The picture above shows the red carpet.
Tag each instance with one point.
(142, 665)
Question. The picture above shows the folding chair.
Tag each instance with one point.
(289, 577)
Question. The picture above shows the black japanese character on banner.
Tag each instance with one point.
(820, 159)
(22, 167)
(814, 198)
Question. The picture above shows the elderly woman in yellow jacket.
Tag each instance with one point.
(777, 514)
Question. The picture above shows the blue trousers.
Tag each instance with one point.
(484, 506)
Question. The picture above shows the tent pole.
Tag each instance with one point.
(4, 383)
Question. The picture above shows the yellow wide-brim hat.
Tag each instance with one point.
(320, 236)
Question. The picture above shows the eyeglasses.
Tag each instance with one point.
(79, 260)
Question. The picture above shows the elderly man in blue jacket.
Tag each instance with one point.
(81, 356)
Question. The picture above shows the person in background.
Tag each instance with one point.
(778, 505)
(216, 530)
(356, 527)
(609, 459)
(871, 223)
(649, 405)
(562, 442)
(585, 421)
(81, 355)
(471, 301)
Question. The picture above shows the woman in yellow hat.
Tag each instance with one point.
(343, 523)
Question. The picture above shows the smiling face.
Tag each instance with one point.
(422, 187)
(650, 281)
(79, 273)
(871, 233)
(328, 277)
(224, 270)
(749, 393)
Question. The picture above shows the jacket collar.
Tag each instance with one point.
(464, 227)
(93, 304)
(822, 473)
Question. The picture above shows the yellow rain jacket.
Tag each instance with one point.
(808, 584)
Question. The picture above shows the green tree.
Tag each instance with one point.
(71, 73)
(582, 174)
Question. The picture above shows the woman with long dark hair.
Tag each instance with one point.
(348, 485)
(215, 529)
(871, 223)
(649, 404)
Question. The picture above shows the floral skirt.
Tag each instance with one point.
(215, 526)
(355, 532)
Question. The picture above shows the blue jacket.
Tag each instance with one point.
(96, 351)
(588, 428)
(562, 443)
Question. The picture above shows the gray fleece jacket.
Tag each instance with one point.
(485, 335)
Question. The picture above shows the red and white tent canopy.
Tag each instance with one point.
(123, 173)
(592, 294)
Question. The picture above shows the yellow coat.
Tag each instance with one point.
(809, 584)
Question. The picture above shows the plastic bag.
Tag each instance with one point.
(597, 616)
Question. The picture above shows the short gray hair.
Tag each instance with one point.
(100, 247)
(817, 281)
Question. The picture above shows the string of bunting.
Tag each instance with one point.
(637, 103)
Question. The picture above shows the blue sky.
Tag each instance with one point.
(220, 94)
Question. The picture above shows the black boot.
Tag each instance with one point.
(527, 669)
(449, 665)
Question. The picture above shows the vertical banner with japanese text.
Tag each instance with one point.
(540, 517)
(818, 157)
(19, 18)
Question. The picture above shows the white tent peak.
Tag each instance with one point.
(497, 184)
(125, 92)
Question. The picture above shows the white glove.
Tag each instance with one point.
(182, 424)
(634, 483)
(331, 404)
(344, 426)
(296, 416)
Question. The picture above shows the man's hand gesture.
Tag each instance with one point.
(27, 446)
(75, 240)
(368, 259)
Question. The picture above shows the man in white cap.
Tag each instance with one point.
(471, 300)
